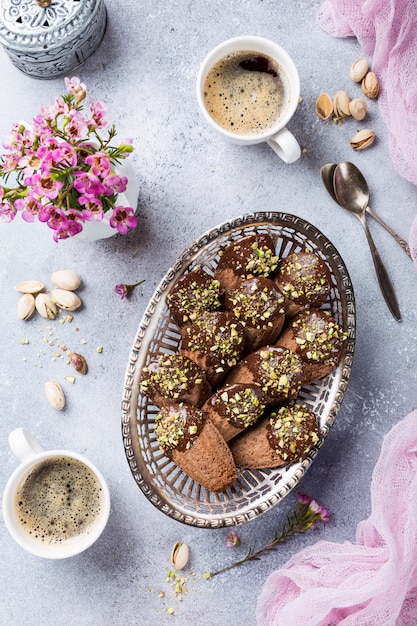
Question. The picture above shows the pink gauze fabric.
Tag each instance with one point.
(372, 582)
(387, 32)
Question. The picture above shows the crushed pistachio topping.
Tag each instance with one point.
(171, 375)
(252, 255)
(220, 337)
(178, 426)
(262, 262)
(255, 304)
(293, 432)
(304, 277)
(195, 295)
(241, 408)
(280, 372)
(319, 337)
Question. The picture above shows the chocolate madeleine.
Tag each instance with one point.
(260, 306)
(304, 279)
(190, 439)
(286, 436)
(234, 408)
(194, 294)
(215, 341)
(174, 378)
(278, 371)
(253, 255)
(318, 339)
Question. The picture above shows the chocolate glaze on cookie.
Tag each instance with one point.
(278, 371)
(215, 341)
(233, 408)
(305, 281)
(194, 294)
(174, 378)
(318, 339)
(246, 257)
(259, 304)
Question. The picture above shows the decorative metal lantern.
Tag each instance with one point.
(48, 38)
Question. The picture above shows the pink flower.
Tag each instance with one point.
(316, 511)
(122, 219)
(87, 184)
(303, 498)
(100, 164)
(93, 208)
(7, 211)
(63, 155)
(124, 290)
(63, 224)
(31, 208)
(43, 185)
(114, 184)
(97, 112)
(76, 88)
(232, 540)
(76, 127)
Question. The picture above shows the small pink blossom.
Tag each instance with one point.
(232, 540)
(100, 164)
(114, 184)
(31, 208)
(76, 88)
(63, 155)
(124, 290)
(122, 219)
(93, 208)
(43, 185)
(7, 211)
(76, 126)
(87, 184)
(97, 112)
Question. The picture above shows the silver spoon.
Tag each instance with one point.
(350, 196)
(327, 173)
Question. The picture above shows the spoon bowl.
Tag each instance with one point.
(327, 175)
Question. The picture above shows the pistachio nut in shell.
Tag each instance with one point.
(65, 299)
(26, 306)
(359, 70)
(179, 555)
(324, 106)
(45, 307)
(362, 139)
(358, 108)
(55, 395)
(66, 279)
(370, 85)
(341, 102)
(29, 286)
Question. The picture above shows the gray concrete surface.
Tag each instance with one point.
(191, 180)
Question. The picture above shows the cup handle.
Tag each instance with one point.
(285, 145)
(23, 444)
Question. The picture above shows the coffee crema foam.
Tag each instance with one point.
(59, 500)
(246, 92)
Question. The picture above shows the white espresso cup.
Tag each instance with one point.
(274, 132)
(56, 503)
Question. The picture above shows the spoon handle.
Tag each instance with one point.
(384, 280)
(404, 245)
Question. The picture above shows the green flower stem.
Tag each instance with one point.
(302, 519)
